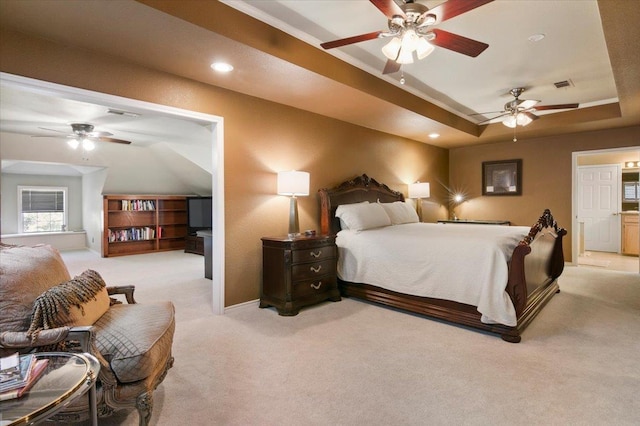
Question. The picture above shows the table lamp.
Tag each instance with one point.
(419, 190)
(293, 184)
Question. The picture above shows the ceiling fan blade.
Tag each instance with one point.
(458, 43)
(105, 139)
(560, 106)
(350, 40)
(389, 8)
(54, 130)
(493, 118)
(100, 134)
(531, 115)
(527, 103)
(391, 66)
(452, 8)
(489, 112)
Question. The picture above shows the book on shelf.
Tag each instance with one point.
(37, 368)
(132, 234)
(138, 205)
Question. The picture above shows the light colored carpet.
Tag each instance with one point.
(353, 363)
(584, 260)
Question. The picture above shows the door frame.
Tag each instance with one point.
(574, 193)
(217, 143)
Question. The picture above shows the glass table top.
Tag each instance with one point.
(66, 377)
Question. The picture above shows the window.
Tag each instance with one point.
(41, 209)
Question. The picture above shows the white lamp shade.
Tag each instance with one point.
(510, 121)
(391, 49)
(73, 143)
(424, 48)
(88, 145)
(405, 57)
(293, 183)
(523, 119)
(419, 190)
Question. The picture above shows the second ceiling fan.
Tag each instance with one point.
(520, 112)
(409, 24)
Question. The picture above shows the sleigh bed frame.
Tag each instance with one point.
(536, 263)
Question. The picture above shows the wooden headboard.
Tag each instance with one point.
(361, 188)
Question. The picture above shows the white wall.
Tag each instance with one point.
(92, 217)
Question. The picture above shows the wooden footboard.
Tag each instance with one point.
(535, 265)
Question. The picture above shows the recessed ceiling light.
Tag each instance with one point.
(222, 67)
(536, 37)
(434, 135)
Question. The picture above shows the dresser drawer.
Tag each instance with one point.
(307, 288)
(313, 270)
(314, 254)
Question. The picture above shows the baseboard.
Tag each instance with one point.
(242, 305)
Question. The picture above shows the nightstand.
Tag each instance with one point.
(298, 272)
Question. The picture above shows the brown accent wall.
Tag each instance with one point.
(261, 138)
(546, 173)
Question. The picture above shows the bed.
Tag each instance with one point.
(521, 269)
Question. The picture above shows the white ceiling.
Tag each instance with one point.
(462, 84)
(183, 38)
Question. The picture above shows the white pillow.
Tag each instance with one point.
(344, 207)
(400, 212)
(360, 216)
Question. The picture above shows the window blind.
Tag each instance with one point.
(42, 201)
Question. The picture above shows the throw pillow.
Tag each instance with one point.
(78, 302)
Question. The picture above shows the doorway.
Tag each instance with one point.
(595, 256)
(217, 152)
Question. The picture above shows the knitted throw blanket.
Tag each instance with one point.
(52, 308)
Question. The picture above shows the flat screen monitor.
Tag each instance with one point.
(199, 213)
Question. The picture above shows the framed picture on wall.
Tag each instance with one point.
(502, 177)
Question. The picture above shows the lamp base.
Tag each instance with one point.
(419, 208)
(294, 226)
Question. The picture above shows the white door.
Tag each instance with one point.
(598, 207)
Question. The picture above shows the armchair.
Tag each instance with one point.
(131, 341)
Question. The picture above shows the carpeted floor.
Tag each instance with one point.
(353, 363)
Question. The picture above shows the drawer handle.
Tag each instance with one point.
(316, 286)
(316, 270)
(315, 254)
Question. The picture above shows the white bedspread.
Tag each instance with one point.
(459, 262)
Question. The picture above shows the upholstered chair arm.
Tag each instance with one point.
(126, 290)
(21, 340)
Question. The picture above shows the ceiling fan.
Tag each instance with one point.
(409, 28)
(83, 134)
(520, 112)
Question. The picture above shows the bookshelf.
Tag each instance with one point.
(135, 224)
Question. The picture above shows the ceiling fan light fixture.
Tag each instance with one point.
(410, 40)
(510, 121)
(73, 143)
(405, 56)
(391, 49)
(88, 145)
(523, 119)
(424, 48)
